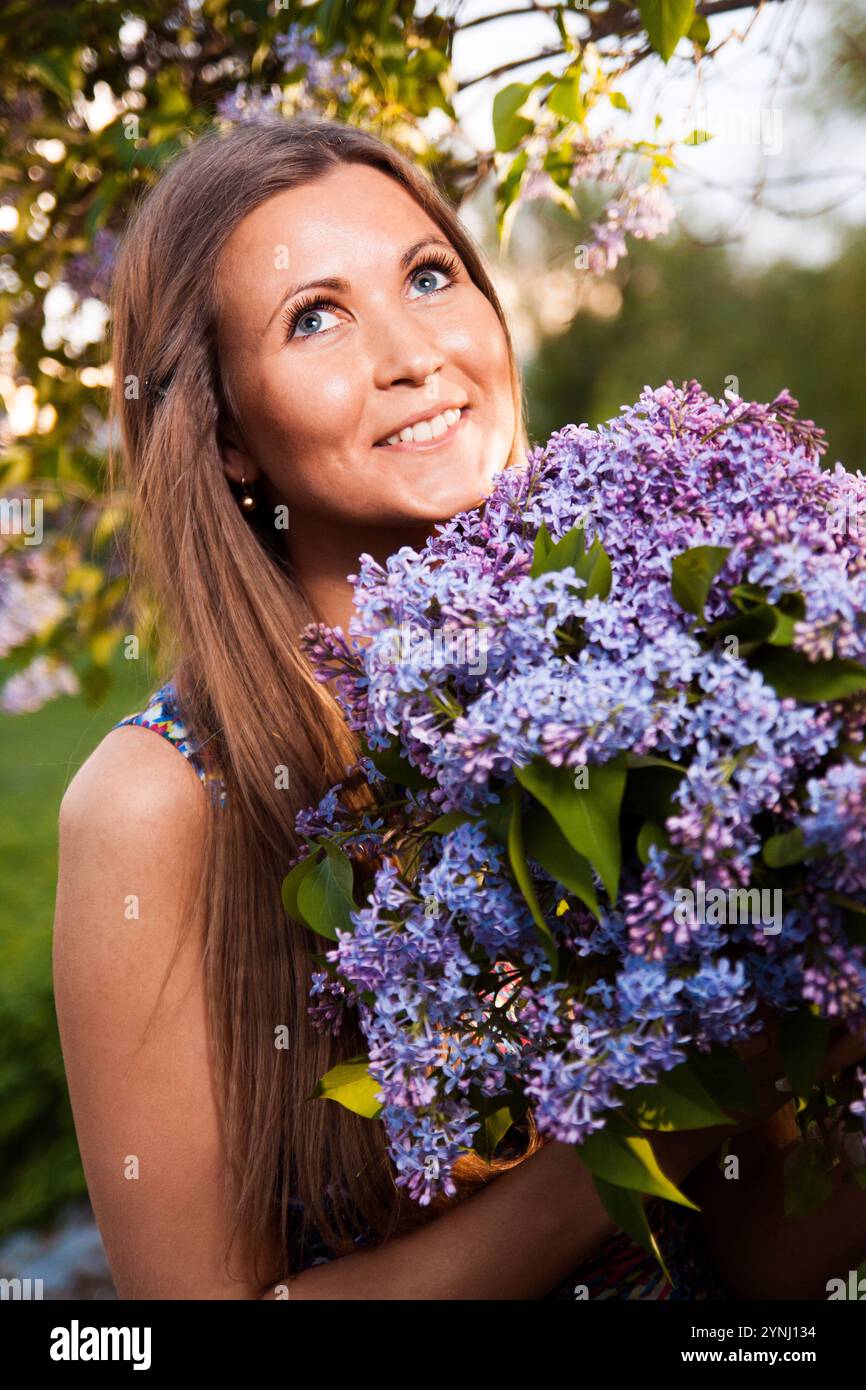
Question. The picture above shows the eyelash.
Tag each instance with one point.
(439, 260)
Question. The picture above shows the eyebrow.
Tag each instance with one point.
(334, 282)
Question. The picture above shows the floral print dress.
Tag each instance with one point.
(619, 1269)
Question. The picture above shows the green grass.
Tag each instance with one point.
(39, 755)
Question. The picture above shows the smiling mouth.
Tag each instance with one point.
(452, 420)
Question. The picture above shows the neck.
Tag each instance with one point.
(323, 555)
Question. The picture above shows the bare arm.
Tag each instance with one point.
(132, 824)
(516, 1239)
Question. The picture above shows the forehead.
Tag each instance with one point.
(352, 222)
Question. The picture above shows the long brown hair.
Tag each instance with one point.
(229, 612)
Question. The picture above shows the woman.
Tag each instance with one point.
(290, 299)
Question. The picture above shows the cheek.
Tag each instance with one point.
(303, 404)
(333, 389)
(478, 343)
(305, 421)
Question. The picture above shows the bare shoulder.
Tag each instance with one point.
(133, 778)
(132, 834)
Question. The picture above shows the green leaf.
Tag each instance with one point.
(803, 1044)
(495, 1124)
(324, 895)
(497, 818)
(292, 882)
(557, 555)
(52, 69)
(692, 575)
(541, 549)
(726, 1078)
(790, 610)
(593, 565)
(808, 1178)
(699, 31)
(625, 1208)
(449, 821)
(855, 924)
(509, 128)
(596, 570)
(566, 99)
(649, 791)
(517, 859)
(618, 100)
(787, 848)
(627, 1161)
(791, 673)
(754, 627)
(391, 763)
(651, 833)
(787, 612)
(588, 818)
(351, 1085)
(641, 760)
(851, 903)
(507, 191)
(546, 843)
(678, 1100)
(748, 596)
(666, 21)
(698, 137)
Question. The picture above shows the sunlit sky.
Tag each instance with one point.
(741, 91)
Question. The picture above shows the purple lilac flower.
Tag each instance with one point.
(445, 962)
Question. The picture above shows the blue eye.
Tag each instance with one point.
(303, 314)
(429, 271)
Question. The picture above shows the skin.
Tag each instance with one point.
(133, 818)
(395, 345)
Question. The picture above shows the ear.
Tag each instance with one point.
(237, 463)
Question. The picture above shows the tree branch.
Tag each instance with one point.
(611, 21)
(601, 26)
(510, 67)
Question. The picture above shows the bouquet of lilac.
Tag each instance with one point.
(610, 812)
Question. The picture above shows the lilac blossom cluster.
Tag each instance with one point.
(31, 606)
(445, 962)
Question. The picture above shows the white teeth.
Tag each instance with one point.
(426, 429)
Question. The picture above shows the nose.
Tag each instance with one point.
(403, 351)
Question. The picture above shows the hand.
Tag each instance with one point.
(776, 1126)
(763, 1058)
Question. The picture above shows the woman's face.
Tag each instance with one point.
(322, 376)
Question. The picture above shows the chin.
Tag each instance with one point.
(439, 497)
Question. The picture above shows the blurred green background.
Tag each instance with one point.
(39, 754)
(692, 311)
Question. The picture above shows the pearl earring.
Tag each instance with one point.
(248, 501)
